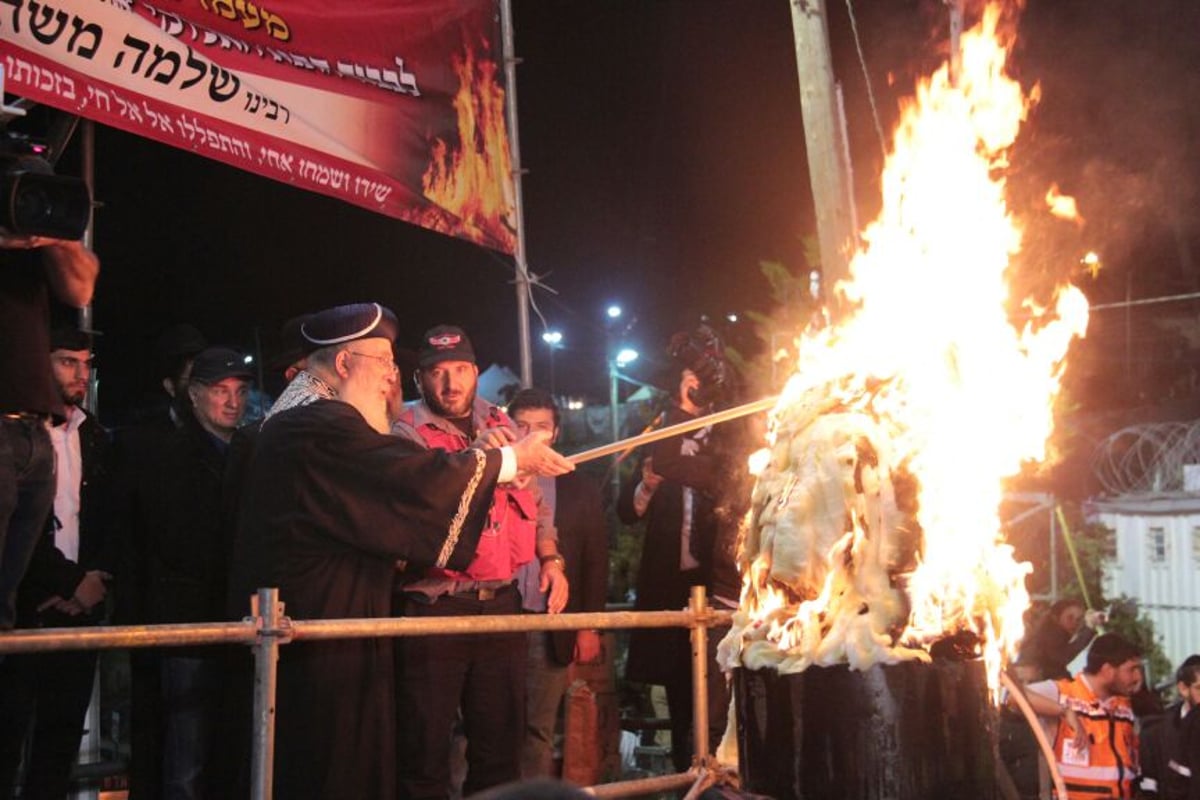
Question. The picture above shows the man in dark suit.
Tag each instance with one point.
(692, 492)
(583, 545)
(680, 529)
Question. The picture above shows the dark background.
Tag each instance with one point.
(665, 154)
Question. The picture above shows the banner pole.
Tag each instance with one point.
(514, 142)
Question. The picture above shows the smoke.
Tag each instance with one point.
(1120, 87)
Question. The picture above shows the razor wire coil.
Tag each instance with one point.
(1147, 458)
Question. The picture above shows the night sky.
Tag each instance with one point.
(665, 155)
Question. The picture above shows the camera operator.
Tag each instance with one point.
(31, 269)
(714, 469)
(692, 498)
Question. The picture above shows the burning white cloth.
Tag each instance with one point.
(826, 533)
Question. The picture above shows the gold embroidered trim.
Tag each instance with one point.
(464, 505)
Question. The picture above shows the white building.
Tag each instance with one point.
(1157, 562)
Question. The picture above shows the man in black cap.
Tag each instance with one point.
(482, 675)
(64, 587)
(331, 503)
(177, 502)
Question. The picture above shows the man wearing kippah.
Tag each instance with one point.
(331, 503)
(482, 675)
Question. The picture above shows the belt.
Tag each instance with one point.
(24, 416)
(483, 592)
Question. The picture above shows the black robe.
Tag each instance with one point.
(329, 506)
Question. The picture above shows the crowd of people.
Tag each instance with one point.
(357, 505)
(1108, 731)
(351, 502)
(347, 505)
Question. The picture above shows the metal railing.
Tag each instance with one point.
(268, 628)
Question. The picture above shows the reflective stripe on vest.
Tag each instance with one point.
(1098, 774)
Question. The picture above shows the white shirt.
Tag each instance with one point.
(69, 475)
(689, 446)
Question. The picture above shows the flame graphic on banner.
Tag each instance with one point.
(874, 534)
(474, 181)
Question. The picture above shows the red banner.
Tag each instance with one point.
(393, 105)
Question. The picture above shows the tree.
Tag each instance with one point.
(795, 306)
(1095, 548)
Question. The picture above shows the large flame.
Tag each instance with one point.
(875, 530)
(474, 181)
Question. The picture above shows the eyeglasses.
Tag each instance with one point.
(72, 363)
(388, 363)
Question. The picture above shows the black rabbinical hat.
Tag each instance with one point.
(347, 323)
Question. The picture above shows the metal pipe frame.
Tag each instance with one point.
(267, 628)
(700, 743)
(272, 631)
(247, 632)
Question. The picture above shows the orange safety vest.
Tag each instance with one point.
(1108, 765)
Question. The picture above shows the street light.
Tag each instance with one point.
(623, 358)
(618, 357)
(554, 340)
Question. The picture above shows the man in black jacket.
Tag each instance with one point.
(1171, 742)
(583, 546)
(63, 587)
(693, 492)
(1066, 630)
(176, 512)
(32, 268)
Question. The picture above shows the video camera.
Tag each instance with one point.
(33, 200)
(702, 352)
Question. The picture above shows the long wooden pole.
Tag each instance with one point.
(1018, 695)
(1066, 534)
(744, 410)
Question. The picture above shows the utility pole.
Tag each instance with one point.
(956, 31)
(818, 102)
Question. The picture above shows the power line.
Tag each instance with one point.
(867, 77)
(1171, 298)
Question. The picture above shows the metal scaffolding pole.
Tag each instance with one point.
(698, 606)
(514, 140)
(268, 628)
(271, 632)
